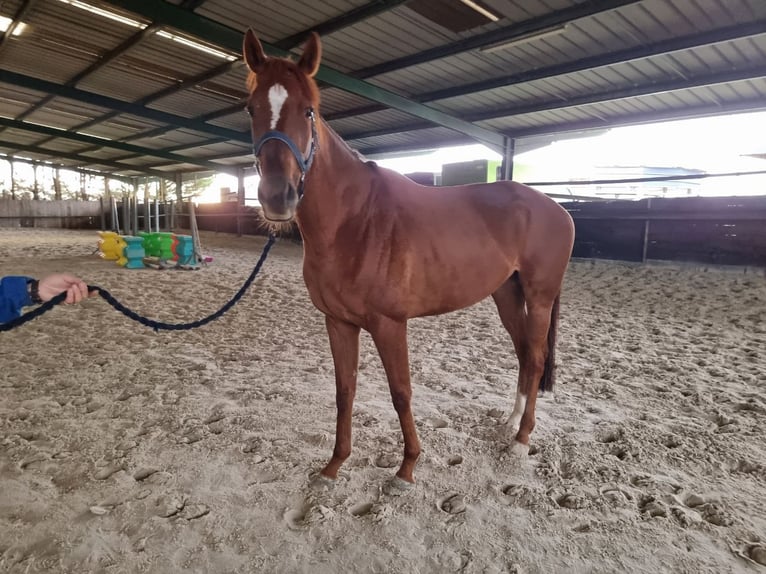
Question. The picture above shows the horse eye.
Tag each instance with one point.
(249, 110)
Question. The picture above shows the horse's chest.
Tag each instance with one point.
(332, 291)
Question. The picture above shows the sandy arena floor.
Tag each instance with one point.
(124, 450)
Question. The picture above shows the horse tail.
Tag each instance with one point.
(548, 379)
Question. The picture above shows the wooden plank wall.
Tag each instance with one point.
(714, 230)
(61, 214)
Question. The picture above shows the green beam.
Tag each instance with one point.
(7, 156)
(123, 107)
(166, 14)
(141, 151)
(84, 160)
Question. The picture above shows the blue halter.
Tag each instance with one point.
(303, 163)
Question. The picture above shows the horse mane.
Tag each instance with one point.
(345, 145)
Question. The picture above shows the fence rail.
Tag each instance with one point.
(714, 230)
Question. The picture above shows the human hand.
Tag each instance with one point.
(76, 289)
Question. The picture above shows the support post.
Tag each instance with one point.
(646, 231)
(57, 184)
(134, 208)
(126, 212)
(13, 179)
(240, 199)
(36, 189)
(509, 147)
(147, 207)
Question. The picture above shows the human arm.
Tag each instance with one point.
(14, 295)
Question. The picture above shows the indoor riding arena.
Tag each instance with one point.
(129, 449)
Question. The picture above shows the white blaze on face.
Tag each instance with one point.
(277, 97)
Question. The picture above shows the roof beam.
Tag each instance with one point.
(338, 23)
(95, 66)
(744, 106)
(506, 34)
(700, 111)
(182, 85)
(192, 5)
(84, 160)
(140, 151)
(587, 99)
(332, 25)
(621, 56)
(166, 14)
(21, 13)
(119, 105)
(9, 157)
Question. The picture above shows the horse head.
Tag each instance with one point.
(282, 106)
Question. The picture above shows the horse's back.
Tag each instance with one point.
(508, 210)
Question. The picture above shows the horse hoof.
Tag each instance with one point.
(518, 449)
(319, 481)
(398, 487)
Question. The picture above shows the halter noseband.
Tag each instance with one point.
(303, 163)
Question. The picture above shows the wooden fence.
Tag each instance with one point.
(61, 214)
(714, 230)
(711, 230)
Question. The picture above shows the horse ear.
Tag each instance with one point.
(252, 50)
(312, 53)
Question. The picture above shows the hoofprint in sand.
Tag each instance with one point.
(126, 450)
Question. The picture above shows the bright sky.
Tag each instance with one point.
(712, 144)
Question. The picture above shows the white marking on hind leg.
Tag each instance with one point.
(518, 411)
(277, 97)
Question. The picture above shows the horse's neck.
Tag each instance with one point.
(336, 189)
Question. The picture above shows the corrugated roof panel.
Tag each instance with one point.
(23, 137)
(238, 121)
(219, 149)
(373, 121)
(394, 34)
(15, 100)
(171, 138)
(66, 146)
(168, 54)
(234, 80)
(274, 20)
(68, 106)
(335, 100)
(192, 102)
(10, 8)
(53, 118)
(77, 30)
(123, 83)
(42, 61)
(120, 127)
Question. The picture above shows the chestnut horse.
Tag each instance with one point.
(378, 249)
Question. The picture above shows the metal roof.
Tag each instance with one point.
(122, 86)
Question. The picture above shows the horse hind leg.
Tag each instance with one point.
(537, 367)
(511, 306)
(532, 326)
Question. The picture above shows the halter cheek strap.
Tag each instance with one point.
(304, 164)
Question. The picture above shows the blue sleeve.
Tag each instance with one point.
(13, 296)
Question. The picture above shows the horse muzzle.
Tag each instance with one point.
(278, 198)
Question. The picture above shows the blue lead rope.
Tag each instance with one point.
(156, 325)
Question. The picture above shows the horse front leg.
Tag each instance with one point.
(390, 338)
(344, 344)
